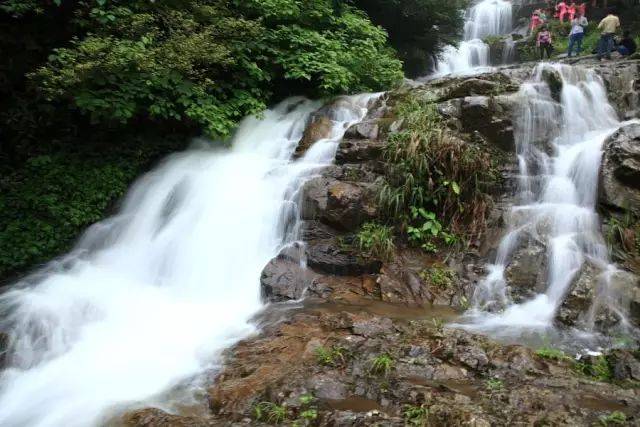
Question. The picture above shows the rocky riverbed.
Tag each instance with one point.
(354, 340)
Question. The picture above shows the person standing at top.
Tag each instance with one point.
(544, 42)
(578, 24)
(582, 9)
(561, 9)
(608, 27)
(572, 11)
(536, 21)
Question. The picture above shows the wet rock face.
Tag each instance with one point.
(331, 257)
(623, 87)
(527, 271)
(620, 172)
(340, 204)
(284, 279)
(319, 128)
(484, 115)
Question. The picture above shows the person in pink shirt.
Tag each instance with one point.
(561, 9)
(536, 21)
(572, 11)
(544, 42)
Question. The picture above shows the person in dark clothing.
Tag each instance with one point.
(627, 45)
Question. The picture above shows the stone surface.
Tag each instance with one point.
(329, 256)
(620, 171)
(319, 128)
(283, 279)
(482, 114)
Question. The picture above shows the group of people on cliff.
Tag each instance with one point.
(576, 14)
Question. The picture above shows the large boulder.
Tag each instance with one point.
(358, 150)
(490, 119)
(623, 86)
(333, 257)
(620, 172)
(283, 279)
(319, 128)
(343, 205)
(526, 271)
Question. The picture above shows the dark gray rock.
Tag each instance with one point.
(326, 386)
(283, 279)
(358, 150)
(625, 365)
(620, 172)
(329, 256)
(482, 114)
(363, 130)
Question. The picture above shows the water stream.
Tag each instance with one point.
(149, 297)
(559, 139)
(483, 19)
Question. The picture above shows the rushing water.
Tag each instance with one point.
(484, 19)
(559, 149)
(150, 296)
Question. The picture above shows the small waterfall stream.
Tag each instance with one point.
(559, 137)
(149, 297)
(484, 19)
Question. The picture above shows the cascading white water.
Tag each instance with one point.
(559, 152)
(151, 296)
(486, 18)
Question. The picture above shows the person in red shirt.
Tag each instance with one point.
(536, 21)
(572, 11)
(561, 9)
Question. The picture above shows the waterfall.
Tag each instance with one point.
(484, 19)
(563, 119)
(150, 297)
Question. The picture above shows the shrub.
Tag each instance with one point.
(415, 415)
(433, 178)
(270, 412)
(376, 240)
(551, 354)
(382, 364)
(614, 418)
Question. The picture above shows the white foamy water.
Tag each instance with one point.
(484, 19)
(151, 296)
(559, 150)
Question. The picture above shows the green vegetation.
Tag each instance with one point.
(615, 418)
(597, 368)
(433, 179)
(45, 204)
(551, 354)
(623, 239)
(415, 415)
(382, 364)
(376, 240)
(307, 413)
(438, 276)
(333, 356)
(211, 62)
(92, 86)
(270, 412)
(494, 384)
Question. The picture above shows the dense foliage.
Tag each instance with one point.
(93, 91)
(211, 62)
(435, 183)
(418, 29)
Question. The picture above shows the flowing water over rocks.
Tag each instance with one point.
(346, 339)
(151, 296)
(484, 19)
(554, 237)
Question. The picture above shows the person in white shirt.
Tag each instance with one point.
(578, 25)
